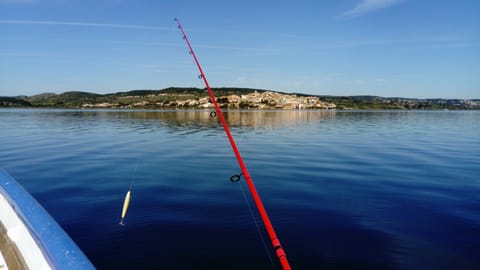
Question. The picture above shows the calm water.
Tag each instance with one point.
(345, 190)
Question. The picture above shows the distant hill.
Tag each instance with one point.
(65, 100)
(376, 102)
(170, 96)
(75, 99)
(14, 102)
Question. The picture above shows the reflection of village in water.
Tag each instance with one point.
(261, 119)
(149, 120)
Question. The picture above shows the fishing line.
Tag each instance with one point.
(280, 252)
(133, 177)
(259, 231)
(235, 179)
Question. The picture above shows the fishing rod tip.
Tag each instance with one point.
(121, 222)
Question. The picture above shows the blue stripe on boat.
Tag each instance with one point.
(60, 250)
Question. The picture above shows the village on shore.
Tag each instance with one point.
(256, 100)
(229, 98)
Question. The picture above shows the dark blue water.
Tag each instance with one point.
(344, 190)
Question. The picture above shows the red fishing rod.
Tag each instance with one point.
(256, 198)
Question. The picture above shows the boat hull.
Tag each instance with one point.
(29, 237)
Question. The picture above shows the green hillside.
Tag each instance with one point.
(172, 95)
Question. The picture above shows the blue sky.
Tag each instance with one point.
(407, 48)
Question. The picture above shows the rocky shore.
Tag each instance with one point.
(256, 100)
(230, 98)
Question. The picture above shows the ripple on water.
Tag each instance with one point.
(345, 190)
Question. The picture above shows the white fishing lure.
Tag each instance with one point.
(126, 202)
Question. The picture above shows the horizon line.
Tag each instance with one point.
(266, 90)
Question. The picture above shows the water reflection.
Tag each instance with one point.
(347, 183)
(197, 118)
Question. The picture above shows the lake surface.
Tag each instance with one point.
(344, 190)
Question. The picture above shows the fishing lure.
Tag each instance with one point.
(126, 202)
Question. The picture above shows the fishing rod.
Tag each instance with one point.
(282, 256)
